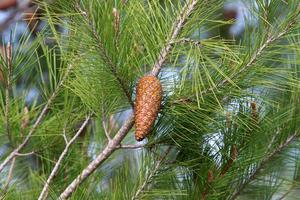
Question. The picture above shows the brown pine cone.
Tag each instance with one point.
(147, 105)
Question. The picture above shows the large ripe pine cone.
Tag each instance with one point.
(147, 105)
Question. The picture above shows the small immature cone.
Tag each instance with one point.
(254, 111)
(210, 176)
(228, 121)
(147, 105)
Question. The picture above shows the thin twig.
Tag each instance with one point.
(126, 127)
(273, 140)
(262, 164)
(10, 174)
(38, 121)
(106, 131)
(44, 193)
(113, 125)
(8, 89)
(65, 137)
(131, 146)
(25, 154)
(282, 197)
(107, 151)
(151, 174)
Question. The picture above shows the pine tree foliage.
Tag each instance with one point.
(229, 122)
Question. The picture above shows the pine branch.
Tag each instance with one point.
(263, 163)
(105, 56)
(38, 121)
(183, 16)
(270, 39)
(106, 152)
(151, 175)
(126, 127)
(44, 193)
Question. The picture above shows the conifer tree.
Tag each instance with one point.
(140, 99)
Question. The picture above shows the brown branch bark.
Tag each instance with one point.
(106, 152)
(182, 17)
(116, 141)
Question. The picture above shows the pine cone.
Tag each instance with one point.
(147, 105)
